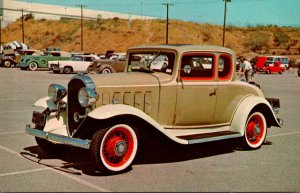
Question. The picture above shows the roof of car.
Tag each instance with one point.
(187, 47)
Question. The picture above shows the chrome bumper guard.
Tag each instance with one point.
(81, 143)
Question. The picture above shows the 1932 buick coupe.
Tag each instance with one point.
(194, 98)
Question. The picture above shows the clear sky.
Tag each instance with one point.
(239, 12)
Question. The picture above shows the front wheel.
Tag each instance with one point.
(33, 66)
(114, 149)
(255, 131)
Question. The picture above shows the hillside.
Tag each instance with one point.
(118, 34)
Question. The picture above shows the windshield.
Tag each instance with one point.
(151, 61)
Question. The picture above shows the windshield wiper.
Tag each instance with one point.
(158, 54)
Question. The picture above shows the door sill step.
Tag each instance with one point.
(206, 137)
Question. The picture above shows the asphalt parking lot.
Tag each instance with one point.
(163, 166)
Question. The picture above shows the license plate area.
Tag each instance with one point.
(38, 118)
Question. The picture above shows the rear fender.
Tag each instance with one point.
(252, 103)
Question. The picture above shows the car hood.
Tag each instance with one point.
(135, 79)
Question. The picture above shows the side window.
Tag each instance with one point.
(89, 59)
(55, 54)
(197, 67)
(225, 67)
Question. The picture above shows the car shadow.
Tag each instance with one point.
(157, 149)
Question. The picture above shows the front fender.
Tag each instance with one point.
(244, 109)
(112, 110)
(42, 102)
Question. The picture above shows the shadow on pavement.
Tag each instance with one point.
(158, 149)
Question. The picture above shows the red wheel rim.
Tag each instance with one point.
(117, 147)
(255, 129)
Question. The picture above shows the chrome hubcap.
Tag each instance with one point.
(120, 148)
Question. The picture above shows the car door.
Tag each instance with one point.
(196, 90)
(228, 96)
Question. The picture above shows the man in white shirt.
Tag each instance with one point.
(247, 69)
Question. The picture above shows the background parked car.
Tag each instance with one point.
(262, 61)
(13, 59)
(275, 68)
(41, 62)
(114, 63)
(79, 63)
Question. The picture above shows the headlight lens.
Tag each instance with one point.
(87, 97)
(56, 92)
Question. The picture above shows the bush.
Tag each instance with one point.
(257, 41)
(28, 16)
(280, 38)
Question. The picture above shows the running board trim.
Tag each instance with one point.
(207, 137)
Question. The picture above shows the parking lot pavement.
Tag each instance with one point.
(163, 165)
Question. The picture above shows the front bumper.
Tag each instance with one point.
(81, 143)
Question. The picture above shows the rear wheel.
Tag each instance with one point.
(255, 131)
(106, 69)
(68, 70)
(7, 63)
(114, 149)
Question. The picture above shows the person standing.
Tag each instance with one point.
(247, 69)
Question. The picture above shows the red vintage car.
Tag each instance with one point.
(276, 68)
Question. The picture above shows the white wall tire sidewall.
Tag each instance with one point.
(106, 71)
(257, 145)
(33, 66)
(134, 151)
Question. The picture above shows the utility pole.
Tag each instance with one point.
(224, 25)
(23, 25)
(0, 30)
(167, 24)
(81, 25)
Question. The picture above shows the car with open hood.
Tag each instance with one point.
(194, 97)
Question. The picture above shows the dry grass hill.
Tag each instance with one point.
(119, 34)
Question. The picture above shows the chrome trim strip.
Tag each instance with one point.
(81, 143)
(194, 141)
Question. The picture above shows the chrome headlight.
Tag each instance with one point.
(56, 92)
(87, 97)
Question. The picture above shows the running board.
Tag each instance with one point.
(207, 137)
